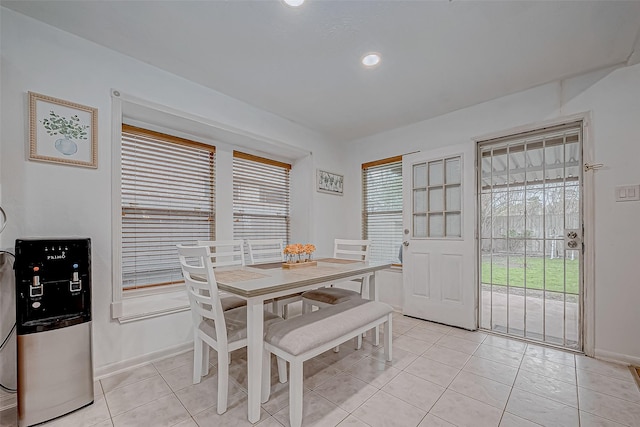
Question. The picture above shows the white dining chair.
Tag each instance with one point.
(224, 331)
(357, 250)
(266, 251)
(226, 253)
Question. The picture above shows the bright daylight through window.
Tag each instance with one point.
(260, 198)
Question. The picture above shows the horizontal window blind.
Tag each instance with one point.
(260, 198)
(168, 198)
(382, 208)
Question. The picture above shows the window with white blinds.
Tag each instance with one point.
(168, 197)
(260, 198)
(382, 208)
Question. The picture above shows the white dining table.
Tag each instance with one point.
(256, 284)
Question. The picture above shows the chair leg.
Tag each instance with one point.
(266, 376)
(295, 394)
(197, 359)
(205, 360)
(306, 307)
(223, 380)
(336, 349)
(282, 370)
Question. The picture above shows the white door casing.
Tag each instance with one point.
(439, 273)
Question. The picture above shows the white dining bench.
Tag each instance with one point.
(300, 338)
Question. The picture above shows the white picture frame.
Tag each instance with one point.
(329, 182)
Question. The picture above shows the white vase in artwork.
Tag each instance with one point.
(66, 146)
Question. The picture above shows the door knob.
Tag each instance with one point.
(405, 243)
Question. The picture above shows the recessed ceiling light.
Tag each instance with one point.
(371, 59)
(293, 3)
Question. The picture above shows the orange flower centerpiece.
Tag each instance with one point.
(299, 255)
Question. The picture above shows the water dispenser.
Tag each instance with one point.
(53, 325)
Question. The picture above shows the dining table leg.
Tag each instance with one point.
(373, 296)
(255, 328)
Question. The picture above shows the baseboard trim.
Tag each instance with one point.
(123, 365)
(617, 357)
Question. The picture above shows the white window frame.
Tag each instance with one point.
(365, 166)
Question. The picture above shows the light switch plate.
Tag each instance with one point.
(627, 193)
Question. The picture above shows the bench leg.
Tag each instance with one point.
(266, 376)
(223, 379)
(387, 340)
(295, 393)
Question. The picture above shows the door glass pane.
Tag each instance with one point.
(485, 183)
(535, 212)
(486, 219)
(453, 198)
(452, 170)
(436, 225)
(419, 201)
(453, 221)
(419, 226)
(516, 213)
(435, 199)
(435, 173)
(554, 159)
(571, 206)
(499, 169)
(516, 166)
(554, 208)
(499, 210)
(419, 175)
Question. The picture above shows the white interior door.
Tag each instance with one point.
(439, 268)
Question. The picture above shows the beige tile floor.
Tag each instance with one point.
(440, 376)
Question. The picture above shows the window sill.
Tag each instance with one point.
(149, 306)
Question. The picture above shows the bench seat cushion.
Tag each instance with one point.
(301, 334)
(331, 295)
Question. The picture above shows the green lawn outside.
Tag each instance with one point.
(537, 269)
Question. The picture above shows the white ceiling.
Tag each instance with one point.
(303, 64)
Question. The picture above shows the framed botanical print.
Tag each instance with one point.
(62, 132)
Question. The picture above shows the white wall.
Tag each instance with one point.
(613, 99)
(56, 200)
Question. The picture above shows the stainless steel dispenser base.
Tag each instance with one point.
(55, 373)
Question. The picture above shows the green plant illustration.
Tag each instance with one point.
(69, 128)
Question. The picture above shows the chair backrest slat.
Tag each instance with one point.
(352, 249)
(225, 252)
(262, 251)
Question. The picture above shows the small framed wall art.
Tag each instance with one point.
(62, 131)
(329, 182)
